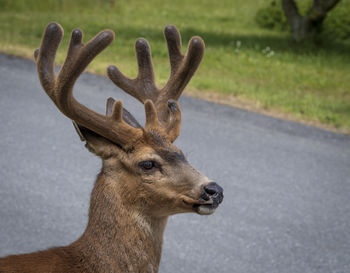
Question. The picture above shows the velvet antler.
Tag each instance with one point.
(60, 88)
(143, 86)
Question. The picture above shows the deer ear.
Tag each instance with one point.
(95, 143)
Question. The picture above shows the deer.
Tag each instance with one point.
(144, 177)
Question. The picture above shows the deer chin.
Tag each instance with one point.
(204, 209)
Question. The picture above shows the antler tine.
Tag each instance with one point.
(174, 126)
(151, 115)
(173, 40)
(182, 67)
(145, 67)
(45, 56)
(143, 86)
(60, 89)
(78, 58)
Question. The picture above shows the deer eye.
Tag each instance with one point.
(147, 165)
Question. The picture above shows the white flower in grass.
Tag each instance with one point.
(270, 54)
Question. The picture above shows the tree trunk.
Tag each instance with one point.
(307, 27)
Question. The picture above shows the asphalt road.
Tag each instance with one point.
(287, 186)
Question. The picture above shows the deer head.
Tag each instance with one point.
(143, 166)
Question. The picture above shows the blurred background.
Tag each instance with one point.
(252, 59)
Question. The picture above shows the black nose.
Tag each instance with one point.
(212, 188)
(214, 191)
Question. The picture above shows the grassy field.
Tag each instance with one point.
(261, 69)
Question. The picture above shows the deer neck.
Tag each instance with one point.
(119, 236)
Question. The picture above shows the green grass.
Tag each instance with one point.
(262, 66)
